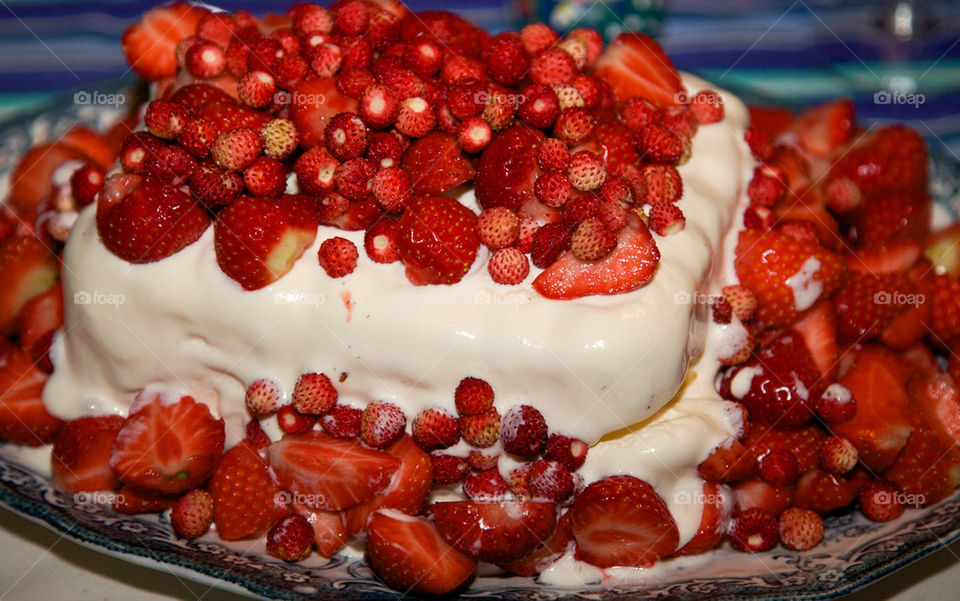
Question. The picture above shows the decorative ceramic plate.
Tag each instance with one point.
(855, 552)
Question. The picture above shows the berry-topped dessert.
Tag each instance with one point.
(362, 281)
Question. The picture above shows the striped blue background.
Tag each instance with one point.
(794, 52)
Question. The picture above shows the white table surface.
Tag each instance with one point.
(36, 564)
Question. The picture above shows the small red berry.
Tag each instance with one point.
(338, 256)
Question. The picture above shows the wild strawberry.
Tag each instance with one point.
(171, 164)
(481, 430)
(165, 119)
(167, 448)
(415, 118)
(523, 431)
(537, 37)
(553, 67)
(757, 217)
(508, 266)
(540, 106)
(519, 481)
(474, 134)
(379, 107)
(357, 52)
(778, 467)
(382, 424)
(192, 514)
(308, 18)
(448, 469)
(237, 54)
(573, 125)
(380, 241)
(237, 149)
(343, 421)
(622, 521)
(759, 143)
(473, 396)
(264, 53)
(409, 554)
(403, 82)
(592, 40)
(354, 178)
(768, 186)
(550, 480)
(800, 529)
(423, 56)
(553, 153)
(197, 136)
(346, 136)
(837, 455)
(549, 242)
(434, 429)
(262, 397)
(657, 144)
(391, 188)
(880, 501)
(280, 138)
(720, 310)
(505, 59)
(315, 171)
(438, 241)
(289, 70)
(314, 394)
(590, 89)
(662, 183)
(265, 177)
(742, 301)
(205, 60)
(487, 485)
(568, 452)
(351, 17)
(214, 187)
(338, 256)
(216, 27)
(836, 405)
(615, 190)
(500, 107)
(498, 227)
(386, 149)
(255, 435)
(553, 188)
(679, 119)
(666, 218)
(256, 89)
(754, 531)
(481, 461)
(290, 538)
(466, 98)
(638, 112)
(85, 182)
(592, 241)
(707, 107)
(586, 171)
(568, 97)
(326, 59)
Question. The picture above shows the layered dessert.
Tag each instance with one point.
(358, 280)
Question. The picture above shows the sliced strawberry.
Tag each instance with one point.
(867, 303)
(167, 448)
(808, 204)
(408, 489)
(788, 275)
(437, 240)
(508, 169)
(30, 182)
(80, 459)
(635, 65)
(887, 161)
(226, 115)
(496, 532)
(622, 521)
(359, 215)
(410, 555)
(97, 147)
(881, 426)
(629, 266)
(27, 269)
(824, 492)
(142, 220)
(436, 164)
(819, 331)
(770, 120)
(803, 443)
(24, 419)
(544, 555)
(714, 521)
(257, 240)
(761, 494)
(616, 146)
(937, 398)
(40, 315)
(314, 101)
(728, 463)
(891, 217)
(825, 128)
(329, 534)
(925, 470)
(244, 494)
(895, 257)
(150, 43)
(330, 473)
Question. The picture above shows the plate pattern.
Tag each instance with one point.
(855, 551)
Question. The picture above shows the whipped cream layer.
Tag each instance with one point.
(591, 365)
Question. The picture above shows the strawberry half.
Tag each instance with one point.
(257, 240)
(635, 65)
(143, 219)
(40, 316)
(27, 269)
(150, 43)
(714, 521)
(826, 127)
(330, 473)
(410, 555)
(244, 494)
(80, 459)
(436, 164)
(495, 532)
(824, 492)
(407, 491)
(629, 266)
(167, 448)
(622, 521)
(24, 419)
(508, 169)
(437, 240)
(544, 555)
